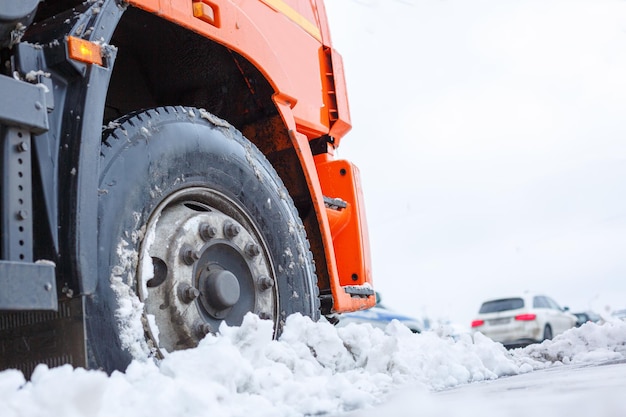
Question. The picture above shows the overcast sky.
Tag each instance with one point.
(491, 138)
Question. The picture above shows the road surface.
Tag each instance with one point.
(597, 390)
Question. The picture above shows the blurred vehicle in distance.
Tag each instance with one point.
(522, 320)
(587, 316)
(619, 314)
(379, 316)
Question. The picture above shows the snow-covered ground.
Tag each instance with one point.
(313, 369)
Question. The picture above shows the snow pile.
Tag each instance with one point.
(313, 369)
(588, 344)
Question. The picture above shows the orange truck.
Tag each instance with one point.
(168, 166)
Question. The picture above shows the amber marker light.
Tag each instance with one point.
(84, 51)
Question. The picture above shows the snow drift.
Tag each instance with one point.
(313, 369)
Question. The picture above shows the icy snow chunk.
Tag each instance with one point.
(213, 119)
(31, 76)
(130, 309)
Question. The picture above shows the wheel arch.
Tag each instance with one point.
(176, 66)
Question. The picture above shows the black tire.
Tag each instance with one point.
(547, 332)
(195, 228)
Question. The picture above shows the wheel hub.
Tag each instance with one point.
(202, 263)
(221, 289)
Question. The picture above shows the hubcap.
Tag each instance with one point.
(221, 289)
(202, 262)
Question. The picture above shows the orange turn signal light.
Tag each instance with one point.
(207, 11)
(84, 51)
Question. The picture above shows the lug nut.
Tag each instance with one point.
(207, 231)
(188, 255)
(252, 250)
(187, 293)
(265, 283)
(231, 229)
(203, 329)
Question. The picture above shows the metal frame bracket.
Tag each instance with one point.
(27, 286)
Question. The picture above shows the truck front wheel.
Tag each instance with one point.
(195, 229)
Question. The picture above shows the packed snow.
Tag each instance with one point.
(312, 369)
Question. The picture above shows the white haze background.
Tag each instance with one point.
(491, 140)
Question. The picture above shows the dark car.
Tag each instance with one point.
(379, 316)
(587, 316)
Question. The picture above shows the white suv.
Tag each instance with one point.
(519, 321)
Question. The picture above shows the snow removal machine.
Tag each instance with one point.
(169, 166)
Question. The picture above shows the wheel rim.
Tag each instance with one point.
(202, 262)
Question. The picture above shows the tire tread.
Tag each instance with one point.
(114, 140)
